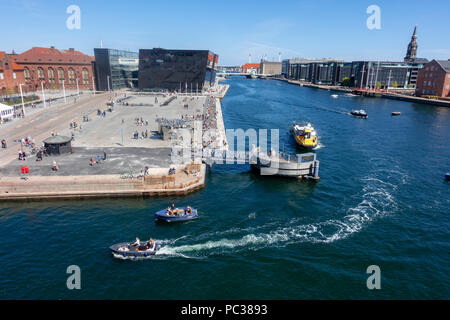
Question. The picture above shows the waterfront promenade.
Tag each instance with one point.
(126, 138)
(371, 93)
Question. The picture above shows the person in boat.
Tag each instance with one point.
(137, 242)
(151, 245)
(188, 210)
(171, 211)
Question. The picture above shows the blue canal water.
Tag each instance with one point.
(381, 200)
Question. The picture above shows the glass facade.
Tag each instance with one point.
(176, 69)
(116, 69)
(367, 74)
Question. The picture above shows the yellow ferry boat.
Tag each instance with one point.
(305, 136)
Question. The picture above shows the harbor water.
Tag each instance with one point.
(381, 200)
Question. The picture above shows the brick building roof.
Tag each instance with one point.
(11, 57)
(53, 55)
(445, 64)
(250, 66)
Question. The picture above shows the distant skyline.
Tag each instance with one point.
(233, 29)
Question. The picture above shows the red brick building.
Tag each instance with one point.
(53, 66)
(11, 74)
(434, 79)
(250, 67)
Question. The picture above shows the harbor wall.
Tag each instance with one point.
(68, 187)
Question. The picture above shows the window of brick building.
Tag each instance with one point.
(51, 75)
(71, 76)
(41, 74)
(85, 75)
(27, 74)
(61, 74)
(1, 76)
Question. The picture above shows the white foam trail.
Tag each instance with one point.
(376, 200)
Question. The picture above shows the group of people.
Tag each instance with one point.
(209, 122)
(148, 245)
(143, 135)
(172, 171)
(99, 160)
(101, 113)
(173, 211)
(141, 122)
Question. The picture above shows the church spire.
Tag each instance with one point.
(411, 53)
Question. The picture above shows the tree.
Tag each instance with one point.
(346, 82)
(378, 85)
(395, 84)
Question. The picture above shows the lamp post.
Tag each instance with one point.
(21, 94)
(64, 92)
(43, 94)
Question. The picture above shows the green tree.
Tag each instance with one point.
(346, 82)
(395, 84)
(378, 85)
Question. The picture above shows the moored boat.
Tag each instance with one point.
(359, 113)
(396, 113)
(305, 136)
(447, 176)
(177, 215)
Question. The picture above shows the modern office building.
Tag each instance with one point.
(384, 74)
(320, 71)
(434, 79)
(270, 67)
(116, 69)
(183, 70)
(285, 68)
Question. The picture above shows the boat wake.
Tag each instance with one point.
(377, 200)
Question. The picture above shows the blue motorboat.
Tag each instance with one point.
(180, 215)
(128, 249)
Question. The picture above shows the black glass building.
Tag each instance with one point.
(183, 70)
(116, 69)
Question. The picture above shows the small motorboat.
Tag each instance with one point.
(359, 113)
(396, 113)
(180, 215)
(447, 176)
(334, 96)
(305, 136)
(128, 249)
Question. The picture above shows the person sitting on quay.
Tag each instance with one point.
(92, 162)
(3, 143)
(55, 166)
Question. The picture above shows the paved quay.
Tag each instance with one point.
(101, 129)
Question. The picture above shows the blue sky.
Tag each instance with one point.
(233, 29)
